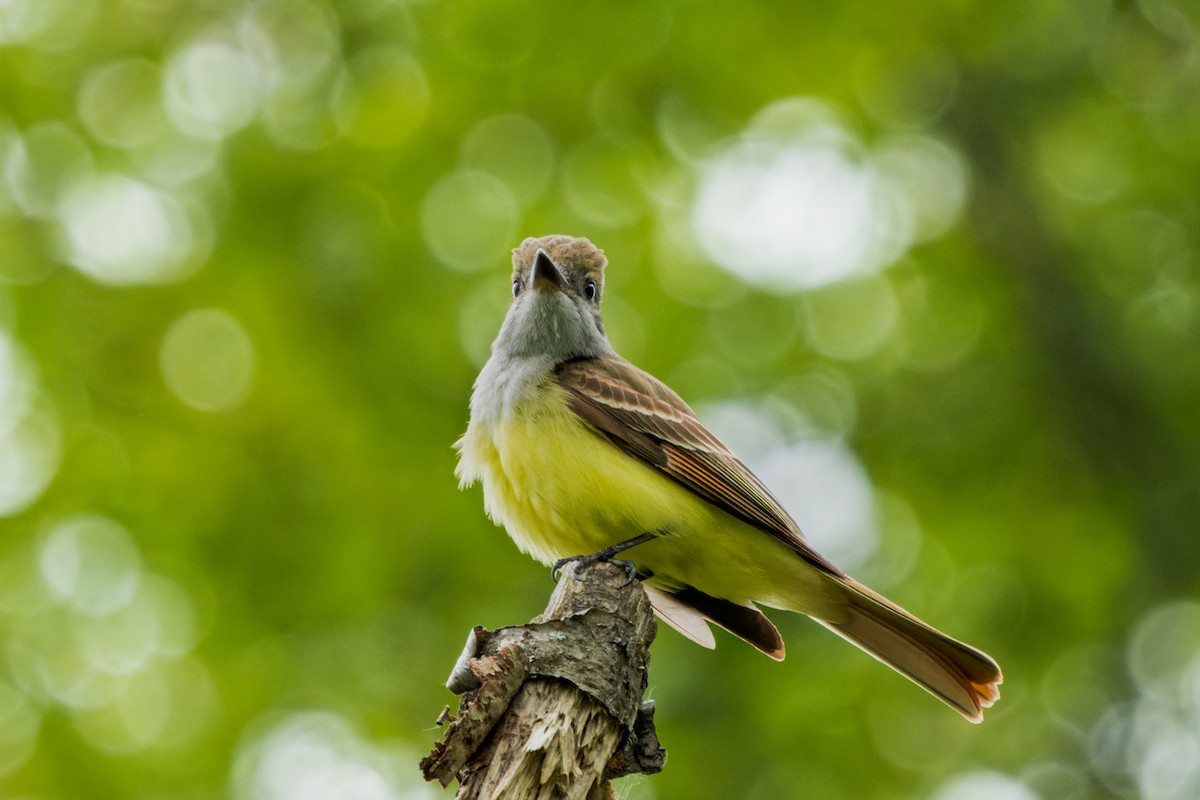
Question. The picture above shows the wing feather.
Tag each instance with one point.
(646, 419)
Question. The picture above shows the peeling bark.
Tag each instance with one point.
(552, 710)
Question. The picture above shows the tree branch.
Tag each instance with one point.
(552, 709)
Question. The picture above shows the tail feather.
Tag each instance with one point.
(689, 611)
(961, 676)
(680, 616)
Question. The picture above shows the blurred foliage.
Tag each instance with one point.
(251, 257)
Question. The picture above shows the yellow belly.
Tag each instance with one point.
(560, 488)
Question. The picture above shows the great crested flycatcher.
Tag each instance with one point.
(579, 451)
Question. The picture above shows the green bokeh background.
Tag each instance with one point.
(251, 256)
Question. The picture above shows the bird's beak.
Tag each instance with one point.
(545, 275)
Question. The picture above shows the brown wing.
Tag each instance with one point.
(642, 416)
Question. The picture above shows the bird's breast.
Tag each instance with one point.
(560, 487)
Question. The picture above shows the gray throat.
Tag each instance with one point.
(506, 380)
(541, 331)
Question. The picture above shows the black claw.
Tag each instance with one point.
(562, 562)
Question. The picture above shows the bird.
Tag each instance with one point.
(582, 454)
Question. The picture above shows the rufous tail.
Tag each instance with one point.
(964, 678)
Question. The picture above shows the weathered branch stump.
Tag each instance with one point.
(553, 709)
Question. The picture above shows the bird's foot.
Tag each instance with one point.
(595, 558)
(607, 554)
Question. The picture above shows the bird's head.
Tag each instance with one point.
(557, 283)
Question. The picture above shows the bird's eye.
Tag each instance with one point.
(516, 288)
(589, 290)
